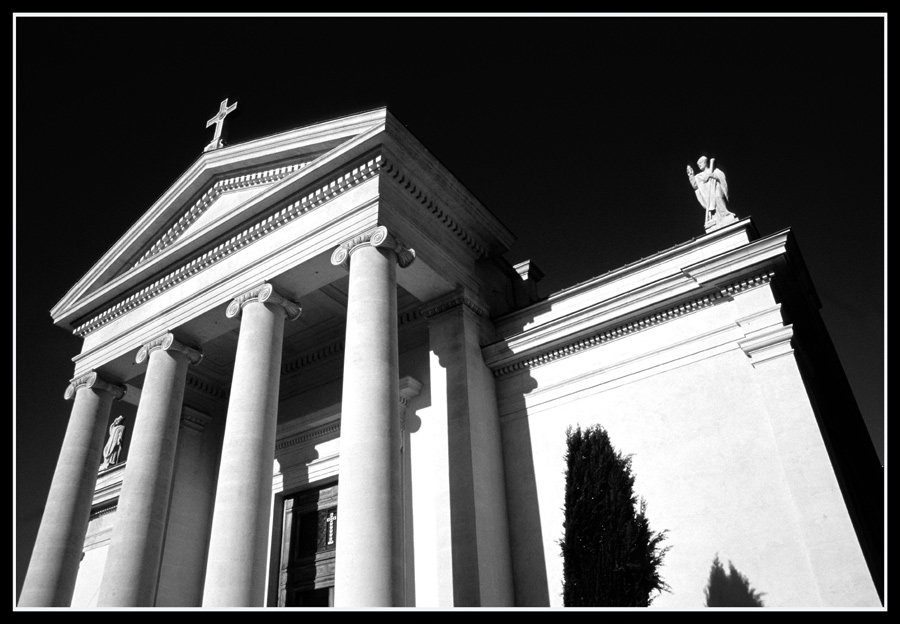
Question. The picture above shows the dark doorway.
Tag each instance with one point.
(306, 576)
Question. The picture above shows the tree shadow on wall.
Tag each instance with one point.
(731, 588)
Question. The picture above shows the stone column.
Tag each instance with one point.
(370, 453)
(236, 567)
(50, 580)
(135, 549)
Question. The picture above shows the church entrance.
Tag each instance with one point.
(309, 537)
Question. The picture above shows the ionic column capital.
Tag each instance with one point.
(410, 387)
(168, 342)
(264, 293)
(94, 381)
(378, 237)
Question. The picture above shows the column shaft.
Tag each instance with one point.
(132, 564)
(369, 434)
(236, 567)
(50, 580)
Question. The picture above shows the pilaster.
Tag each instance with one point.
(464, 404)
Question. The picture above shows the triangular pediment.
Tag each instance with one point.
(216, 204)
(219, 191)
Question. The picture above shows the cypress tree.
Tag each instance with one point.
(611, 558)
(730, 589)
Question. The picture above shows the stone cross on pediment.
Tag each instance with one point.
(219, 120)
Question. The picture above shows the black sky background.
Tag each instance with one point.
(574, 131)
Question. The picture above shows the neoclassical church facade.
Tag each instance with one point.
(346, 396)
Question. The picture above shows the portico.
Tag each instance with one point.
(225, 261)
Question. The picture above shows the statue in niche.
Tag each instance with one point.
(711, 190)
(114, 445)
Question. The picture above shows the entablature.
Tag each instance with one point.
(280, 224)
(604, 309)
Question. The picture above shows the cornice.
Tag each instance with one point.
(403, 180)
(107, 488)
(93, 381)
(766, 336)
(307, 436)
(209, 197)
(722, 267)
(263, 293)
(104, 511)
(309, 201)
(287, 214)
(312, 357)
(556, 352)
(619, 280)
(194, 419)
(768, 344)
(377, 237)
(460, 297)
(409, 316)
(205, 386)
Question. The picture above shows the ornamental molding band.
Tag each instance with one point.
(313, 357)
(287, 214)
(104, 511)
(201, 384)
(646, 322)
(766, 337)
(306, 436)
(275, 221)
(460, 297)
(209, 198)
(263, 293)
(767, 344)
(378, 237)
(93, 381)
(393, 173)
(746, 284)
(167, 342)
(194, 419)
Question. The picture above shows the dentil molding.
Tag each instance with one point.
(545, 356)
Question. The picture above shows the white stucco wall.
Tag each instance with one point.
(711, 456)
(90, 572)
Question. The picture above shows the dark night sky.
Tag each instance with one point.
(574, 132)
